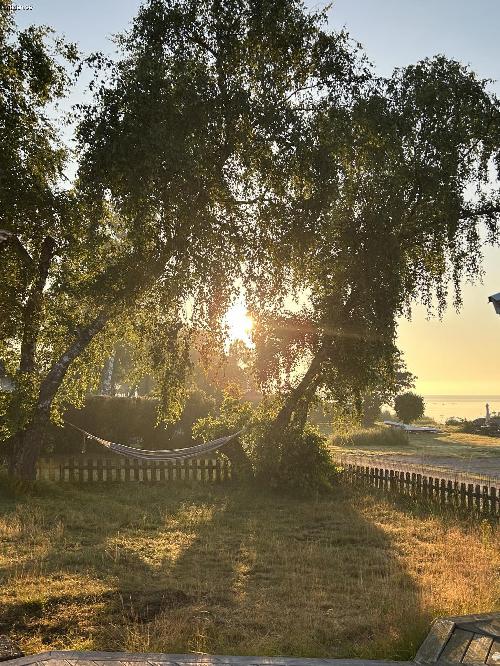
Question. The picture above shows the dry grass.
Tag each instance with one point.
(224, 570)
(449, 443)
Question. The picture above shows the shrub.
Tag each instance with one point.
(303, 463)
(454, 421)
(387, 415)
(294, 460)
(372, 438)
(409, 407)
(130, 421)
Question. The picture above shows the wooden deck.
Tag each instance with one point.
(135, 659)
(467, 639)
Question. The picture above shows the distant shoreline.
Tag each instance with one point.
(442, 407)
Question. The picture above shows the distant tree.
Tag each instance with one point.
(372, 402)
(409, 407)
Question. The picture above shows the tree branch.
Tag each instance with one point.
(201, 42)
(488, 209)
(52, 381)
(7, 237)
(33, 308)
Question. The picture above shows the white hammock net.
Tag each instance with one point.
(166, 454)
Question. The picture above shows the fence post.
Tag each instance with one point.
(485, 498)
(493, 500)
(449, 492)
(477, 495)
(443, 492)
(110, 468)
(470, 495)
(463, 495)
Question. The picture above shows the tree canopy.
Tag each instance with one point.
(230, 146)
(395, 188)
(184, 133)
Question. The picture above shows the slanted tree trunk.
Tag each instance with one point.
(27, 443)
(297, 402)
(32, 312)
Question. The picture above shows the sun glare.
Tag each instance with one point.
(239, 324)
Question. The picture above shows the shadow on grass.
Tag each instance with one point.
(216, 569)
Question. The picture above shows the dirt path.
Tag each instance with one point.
(473, 469)
(483, 466)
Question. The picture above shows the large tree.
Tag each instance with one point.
(392, 190)
(185, 133)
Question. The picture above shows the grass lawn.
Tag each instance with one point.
(447, 444)
(222, 570)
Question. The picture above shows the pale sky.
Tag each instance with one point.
(459, 354)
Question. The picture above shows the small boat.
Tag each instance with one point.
(410, 428)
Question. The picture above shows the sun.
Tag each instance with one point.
(239, 324)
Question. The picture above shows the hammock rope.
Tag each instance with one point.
(164, 454)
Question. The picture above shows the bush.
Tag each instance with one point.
(409, 407)
(130, 421)
(454, 421)
(294, 460)
(372, 438)
(387, 415)
(303, 463)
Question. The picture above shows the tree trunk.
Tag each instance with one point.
(304, 391)
(33, 309)
(28, 441)
(56, 374)
(106, 387)
(27, 444)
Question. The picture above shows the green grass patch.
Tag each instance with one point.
(370, 438)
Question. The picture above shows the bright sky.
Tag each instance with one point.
(458, 355)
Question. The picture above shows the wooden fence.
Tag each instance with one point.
(471, 492)
(87, 469)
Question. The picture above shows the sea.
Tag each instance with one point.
(442, 407)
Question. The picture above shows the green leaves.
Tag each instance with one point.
(233, 146)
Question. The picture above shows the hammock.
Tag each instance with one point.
(173, 455)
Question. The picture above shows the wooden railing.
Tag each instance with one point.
(87, 469)
(471, 492)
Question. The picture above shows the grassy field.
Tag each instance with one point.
(449, 443)
(232, 571)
